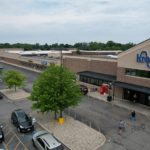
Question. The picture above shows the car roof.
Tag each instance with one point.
(83, 86)
(50, 140)
(19, 112)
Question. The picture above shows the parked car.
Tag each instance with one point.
(45, 141)
(83, 88)
(1, 96)
(1, 134)
(22, 121)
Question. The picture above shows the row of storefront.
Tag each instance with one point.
(128, 73)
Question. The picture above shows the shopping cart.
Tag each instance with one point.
(124, 126)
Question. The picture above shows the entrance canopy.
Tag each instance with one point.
(98, 75)
(132, 87)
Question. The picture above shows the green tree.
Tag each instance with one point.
(53, 90)
(78, 51)
(12, 79)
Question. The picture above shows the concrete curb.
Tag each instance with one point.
(9, 97)
(51, 133)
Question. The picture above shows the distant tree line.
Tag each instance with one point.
(110, 45)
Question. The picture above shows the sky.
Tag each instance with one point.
(73, 21)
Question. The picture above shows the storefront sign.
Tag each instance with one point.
(44, 63)
(30, 61)
(52, 64)
(142, 58)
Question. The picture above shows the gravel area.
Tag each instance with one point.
(74, 134)
(11, 94)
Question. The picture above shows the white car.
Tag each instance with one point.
(43, 140)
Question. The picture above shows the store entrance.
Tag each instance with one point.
(142, 98)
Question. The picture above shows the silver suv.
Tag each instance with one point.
(45, 141)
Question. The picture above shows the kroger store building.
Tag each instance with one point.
(128, 72)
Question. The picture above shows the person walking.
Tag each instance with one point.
(120, 126)
(132, 115)
(134, 98)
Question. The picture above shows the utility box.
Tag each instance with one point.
(102, 90)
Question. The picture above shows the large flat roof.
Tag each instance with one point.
(37, 52)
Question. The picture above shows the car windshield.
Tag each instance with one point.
(58, 148)
(24, 118)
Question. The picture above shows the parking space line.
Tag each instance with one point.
(7, 133)
(147, 116)
(16, 136)
(1, 122)
(4, 127)
(17, 145)
(10, 140)
(139, 115)
(121, 108)
(5, 146)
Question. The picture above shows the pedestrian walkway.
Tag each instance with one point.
(123, 103)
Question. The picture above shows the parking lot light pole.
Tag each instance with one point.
(61, 119)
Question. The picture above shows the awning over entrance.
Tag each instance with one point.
(98, 75)
(132, 87)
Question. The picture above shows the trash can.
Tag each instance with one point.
(109, 98)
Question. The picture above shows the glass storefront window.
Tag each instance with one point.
(100, 82)
(139, 73)
(105, 82)
(92, 81)
(133, 72)
(96, 81)
(81, 78)
(88, 80)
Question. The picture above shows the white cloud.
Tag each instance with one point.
(43, 21)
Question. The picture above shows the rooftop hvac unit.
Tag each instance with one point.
(57, 57)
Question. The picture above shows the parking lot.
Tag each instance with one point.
(96, 113)
(14, 140)
(104, 117)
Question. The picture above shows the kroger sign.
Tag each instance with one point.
(144, 58)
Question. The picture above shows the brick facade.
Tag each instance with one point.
(104, 67)
(13, 61)
(131, 79)
(79, 65)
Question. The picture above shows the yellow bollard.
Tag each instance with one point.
(61, 120)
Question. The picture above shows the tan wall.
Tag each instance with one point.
(131, 79)
(13, 61)
(118, 92)
(79, 65)
(55, 55)
(8, 55)
(128, 59)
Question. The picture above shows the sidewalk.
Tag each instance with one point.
(123, 103)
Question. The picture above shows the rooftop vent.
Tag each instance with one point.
(50, 56)
(57, 57)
